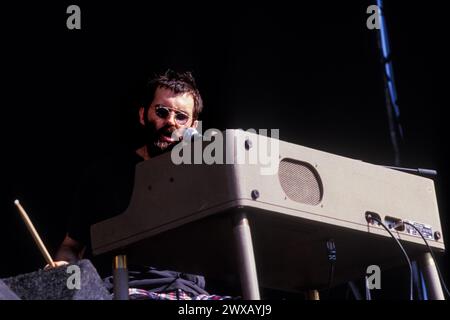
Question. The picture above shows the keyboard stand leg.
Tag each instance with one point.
(312, 295)
(431, 277)
(120, 277)
(246, 257)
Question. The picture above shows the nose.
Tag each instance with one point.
(170, 120)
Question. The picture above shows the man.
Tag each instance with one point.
(171, 104)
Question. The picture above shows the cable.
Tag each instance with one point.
(331, 254)
(432, 255)
(331, 247)
(371, 217)
(352, 286)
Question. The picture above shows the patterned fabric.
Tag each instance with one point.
(141, 294)
(161, 281)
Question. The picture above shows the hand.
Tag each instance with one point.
(57, 264)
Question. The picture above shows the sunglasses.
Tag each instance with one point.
(164, 112)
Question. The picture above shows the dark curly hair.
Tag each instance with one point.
(179, 83)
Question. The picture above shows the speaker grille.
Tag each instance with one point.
(300, 181)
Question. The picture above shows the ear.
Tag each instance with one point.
(141, 116)
(195, 124)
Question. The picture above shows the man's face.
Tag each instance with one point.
(168, 112)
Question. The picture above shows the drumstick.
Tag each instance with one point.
(34, 233)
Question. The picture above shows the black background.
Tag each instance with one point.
(311, 69)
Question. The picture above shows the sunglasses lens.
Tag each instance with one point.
(162, 112)
(181, 118)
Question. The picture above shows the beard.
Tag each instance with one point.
(156, 145)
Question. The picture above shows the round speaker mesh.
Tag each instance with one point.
(300, 181)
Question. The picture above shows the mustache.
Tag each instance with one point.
(153, 135)
(171, 132)
(166, 131)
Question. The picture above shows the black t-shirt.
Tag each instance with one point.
(104, 191)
